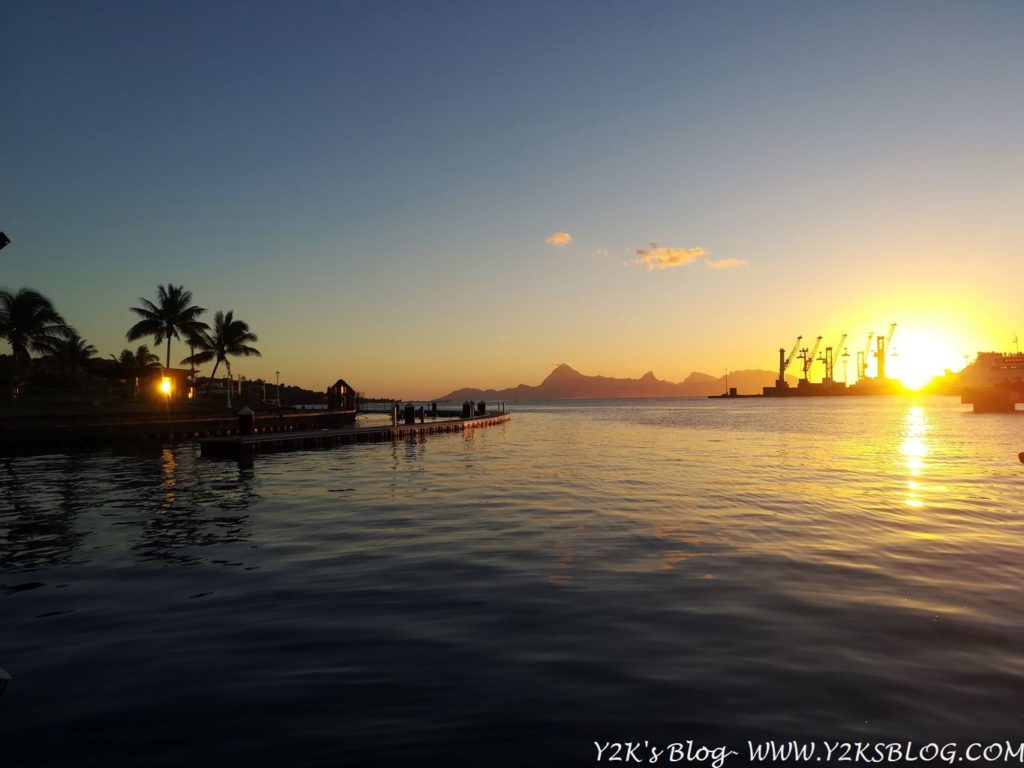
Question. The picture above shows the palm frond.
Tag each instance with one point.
(29, 322)
(171, 317)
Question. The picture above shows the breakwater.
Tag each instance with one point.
(36, 436)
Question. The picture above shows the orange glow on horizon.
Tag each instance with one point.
(918, 356)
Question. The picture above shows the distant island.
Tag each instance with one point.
(566, 383)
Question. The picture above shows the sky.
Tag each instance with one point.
(418, 197)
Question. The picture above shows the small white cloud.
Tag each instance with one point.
(559, 239)
(657, 257)
(725, 263)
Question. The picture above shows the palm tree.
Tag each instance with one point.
(135, 365)
(227, 338)
(172, 315)
(30, 323)
(71, 354)
(140, 360)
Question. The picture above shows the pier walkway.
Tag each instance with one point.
(246, 446)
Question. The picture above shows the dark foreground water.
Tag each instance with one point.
(660, 570)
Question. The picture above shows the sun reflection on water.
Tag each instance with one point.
(168, 478)
(915, 449)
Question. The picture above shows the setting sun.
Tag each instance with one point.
(917, 356)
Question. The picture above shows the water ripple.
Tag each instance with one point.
(590, 570)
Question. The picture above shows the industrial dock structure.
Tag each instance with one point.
(993, 383)
(829, 386)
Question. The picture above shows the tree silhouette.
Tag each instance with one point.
(135, 365)
(70, 355)
(29, 323)
(228, 338)
(172, 317)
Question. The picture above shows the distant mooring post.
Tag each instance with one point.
(246, 421)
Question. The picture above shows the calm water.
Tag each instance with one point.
(620, 570)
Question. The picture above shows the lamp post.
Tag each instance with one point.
(192, 368)
(277, 387)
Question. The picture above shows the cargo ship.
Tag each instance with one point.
(992, 368)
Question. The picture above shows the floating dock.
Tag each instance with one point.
(247, 446)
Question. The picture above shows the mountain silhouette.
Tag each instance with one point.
(566, 383)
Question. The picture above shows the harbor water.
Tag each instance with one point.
(661, 570)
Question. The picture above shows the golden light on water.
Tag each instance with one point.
(914, 450)
(169, 478)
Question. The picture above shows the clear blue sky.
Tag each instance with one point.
(371, 185)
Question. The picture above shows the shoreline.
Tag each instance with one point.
(39, 436)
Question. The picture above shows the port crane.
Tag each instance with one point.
(862, 358)
(882, 348)
(829, 359)
(785, 361)
(808, 358)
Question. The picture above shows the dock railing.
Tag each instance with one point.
(433, 410)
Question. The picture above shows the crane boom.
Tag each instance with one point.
(862, 358)
(831, 355)
(888, 339)
(789, 357)
(883, 349)
(784, 363)
(814, 349)
(809, 358)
